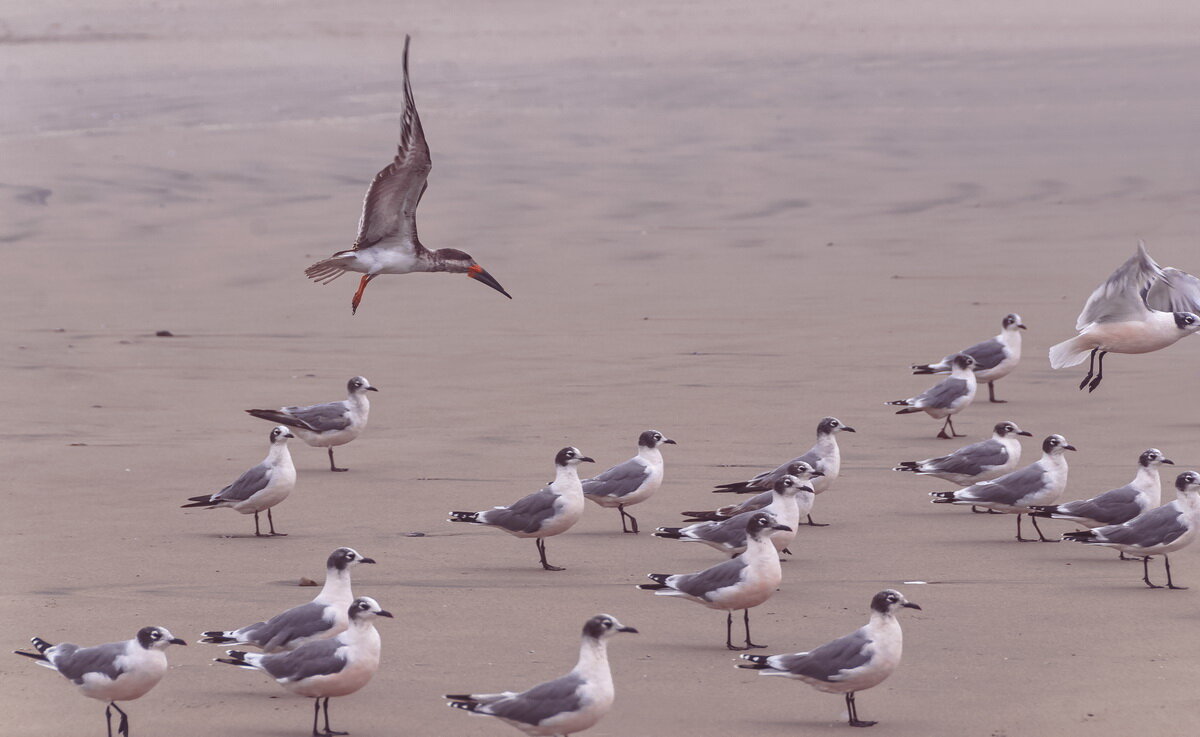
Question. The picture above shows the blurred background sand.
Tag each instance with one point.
(722, 222)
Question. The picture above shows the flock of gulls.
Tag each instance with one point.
(329, 647)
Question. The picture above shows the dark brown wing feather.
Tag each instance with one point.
(390, 207)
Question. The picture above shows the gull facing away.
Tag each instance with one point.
(330, 424)
(798, 469)
(825, 456)
(387, 240)
(118, 671)
(260, 488)
(946, 398)
(1157, 532)
(862, 659)
(566, 705)
(792, 499)
(970, 464)
(1119, 505)
(321, 618)
(739, 583)
(1141, 308)
(995, 358)
(542, 514)
(1037, 484)
(631, 482)
(325, 668)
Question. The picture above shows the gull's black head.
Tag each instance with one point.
(1153, 456)
(963, 361)
(791, 484)
(359, 384)
(653, 439)
(1012, 321)
(1188, 321)
(571, 457)
(1004, 429)
(280, 434)
(1056, 444)
(1187, 481)
(762, 524)
(889, 600)
(603, 626)
(830, 425)
(802, 470)
(157, 638)
(364, 607)
(343, 558)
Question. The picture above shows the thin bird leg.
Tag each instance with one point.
(271, 522)
(256, 532)
(852, 707)
(362, 285)
(728, 632)
(1091, 370)
(942, 433)
(316, 715)
(992, 394)
(1146, 572)
(953, 433)
(1167, 561)
(1099, 373)
(1019, 538)
(746, 618)
(632, 519)
(814, 524)
(123, 725)
(541, 546)
(108, 717)
(329, 731)
(332, 466)
(1042, 537)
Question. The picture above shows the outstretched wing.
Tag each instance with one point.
(1122, 297)
(390, 208)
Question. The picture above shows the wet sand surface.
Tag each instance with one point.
(718, 222)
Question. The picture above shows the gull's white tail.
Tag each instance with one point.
(1069, 352)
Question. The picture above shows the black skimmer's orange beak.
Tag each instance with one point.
(478, 272)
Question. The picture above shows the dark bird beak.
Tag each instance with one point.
(630, 630)
(847, 428)
(177, 641)
(668, 441)
(910, 605)
(372, 389)
(479, 273)
(815, 473)
(1069, 447)
(781, 527)
(1022, 327)
(585, 459)
(288, 435)
(367, 560)
(386, 613)
(1026, 434)
(1168, 460)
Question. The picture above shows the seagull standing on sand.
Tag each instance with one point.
(976, 462)
(1141, 308)
(946, 398)
(631, 482)
(542, 514)
(566, 705)
(995, 358)
(862, 659)
(321, 618)
(1157, 532)
(739, 583)
(1119, 505)
(260, 488)
(1039, 483)
(798, 469)
(825, 456)
(118, 671)
(326, 668)
(387, 231)
(326, 425)
(729, 536)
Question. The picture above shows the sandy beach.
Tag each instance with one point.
(720, 222)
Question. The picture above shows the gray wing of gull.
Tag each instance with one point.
(526, 514)
(298, 622)
(247, 485)
(1121, 297)
(540, 702)
(618, 481)
(987, 354)
(320, 658)
(969, 460)
(75, 662)
(1175, 291)
(827, 661)
(704, 583)
(767, 479)
(942, 394)
(390, 207)
(1008, 489)
(731, 532)
(1156, 527)
(322, 417)
(1110, 508)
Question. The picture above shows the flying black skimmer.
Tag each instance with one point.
(995, 358)
(387, 240)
